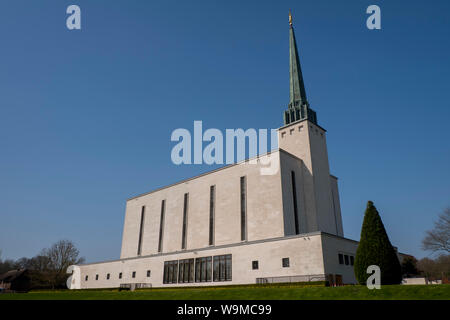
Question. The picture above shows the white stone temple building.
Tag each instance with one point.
(235, 225)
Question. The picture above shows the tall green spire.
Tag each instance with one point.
(297, 88)
(298, 108)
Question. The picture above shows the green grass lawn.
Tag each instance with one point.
(292, 292)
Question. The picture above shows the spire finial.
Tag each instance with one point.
(298, 108)
(297, 87)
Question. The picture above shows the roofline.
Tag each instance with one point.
(339, 237)
(216, 170)
(208, 172)
(297, 122)
(228, 166)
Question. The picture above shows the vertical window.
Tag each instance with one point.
(346, 259)
(96, 277)
(352, 260)
(133, 275)
(198, 267)
(191, 270)
(243, 209)
(148, 273)
(255, 265)
(185, 212)
(161, 225)
(186, 270)
(166, 272)
(181, 271)
(216, 269)
(285, 262)
(212, 199)
(174, 271)
(120, 275)
(203, 269)
(209, 269)
(86, 278)
(107, 276)
(334, 212)
(341, 258)
(228, 267)
(170, 271)
(222, 268)
(294, 197)
(141, 230)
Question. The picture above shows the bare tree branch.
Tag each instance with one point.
(438, 239)
(58, 258)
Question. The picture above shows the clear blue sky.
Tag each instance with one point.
(86, 116)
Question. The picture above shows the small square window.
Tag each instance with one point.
(352, 260)
(133, 274)
(96, 277)
(346, 260)
(341, 258)
(120, 275)
(285, 262)
(148, 273)
(86, 278)
(255, 265)
(107, 276)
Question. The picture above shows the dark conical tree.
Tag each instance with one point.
(375, 249)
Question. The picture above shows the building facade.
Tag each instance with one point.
(235, 225)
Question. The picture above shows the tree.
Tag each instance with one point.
(375, 249)
(438, 239)
(6, 265)
(435, 269)
(47, 269)
(409, 266)
(61, 255)
(40, 263)
(58, 258)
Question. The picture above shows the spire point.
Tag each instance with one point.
(298, 107)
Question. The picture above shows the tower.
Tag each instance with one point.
(304, 138)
